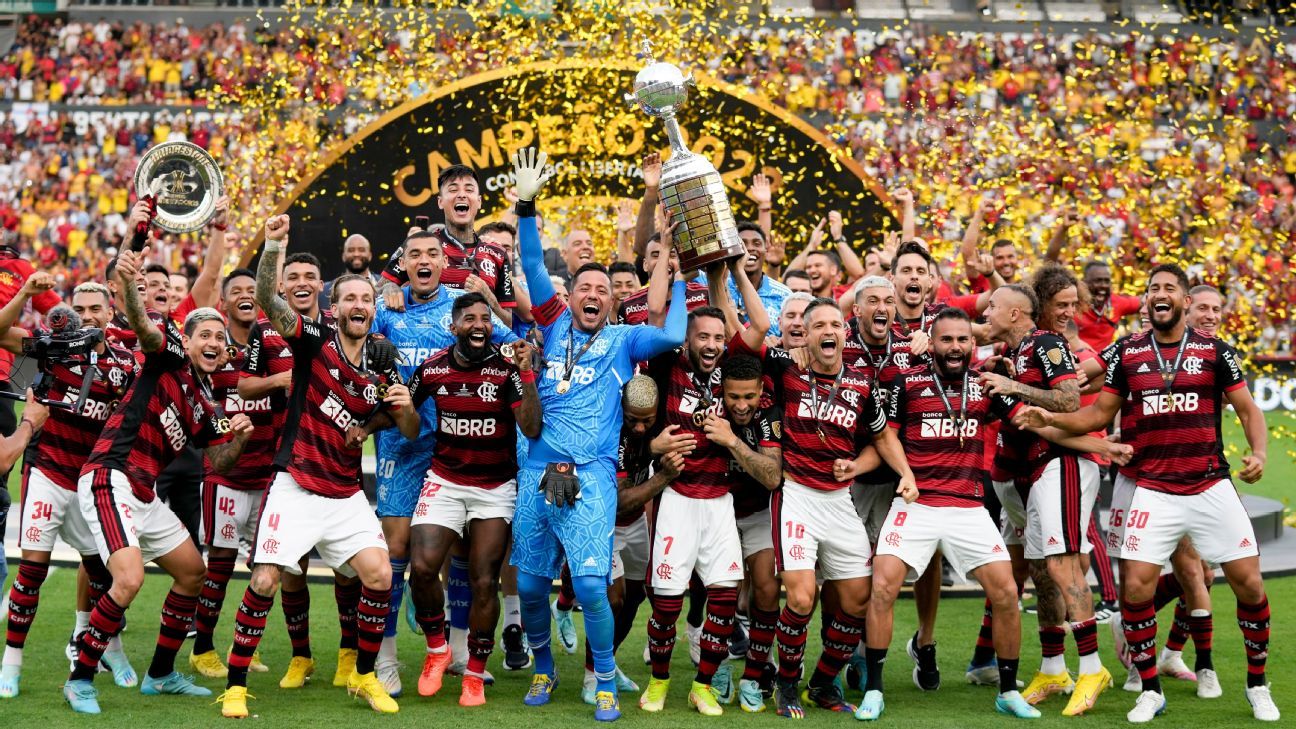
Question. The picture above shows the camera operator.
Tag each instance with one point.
(34, 415)
(54, 461)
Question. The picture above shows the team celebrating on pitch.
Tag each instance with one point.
(765, 446)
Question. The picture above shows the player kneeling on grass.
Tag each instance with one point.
(481, 397)
(164, 409)
(348, 387)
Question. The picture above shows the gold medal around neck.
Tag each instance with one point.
(506, 350)
(563, 387)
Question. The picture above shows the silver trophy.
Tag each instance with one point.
(691, 188)
(184, 181)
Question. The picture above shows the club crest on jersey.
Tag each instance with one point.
(487, 391)
(486, 266)
(1193, 365)
(901, 359)
(851, 396)
(116, 376)
(371, 393)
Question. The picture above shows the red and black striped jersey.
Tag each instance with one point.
(634, 308)
(329, 395)
(1041, 360)
(884, 362)
(268, 354)
(764, 431)
(68, 437)
(924, 321)
(487, 260)
(165, 408)
(685, 400)
(817, 428)
(634, 463)
(254, 469)
(119, 332)
(476, 432)
(945, 444)
(1175, 429)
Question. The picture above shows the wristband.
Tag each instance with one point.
(274, 246)
(764, 209)
(220, 226)
(29, 424)
(528, 377)
(524, 208)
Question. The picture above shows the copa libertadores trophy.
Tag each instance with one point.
(691, 188)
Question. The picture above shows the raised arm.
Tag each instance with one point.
(659, 279)
(528, 167)
(1060, 235)
(758, 323)
(850, 261)
(644, 224)
(972, 236)
(625, 227)
(529, 412)
(816, 239)
(282, 317)
(908, 223)
(204, 290)
(147, 333)
(761, 193)
(10, 336)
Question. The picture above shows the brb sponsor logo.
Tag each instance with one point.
(471, 427)
(1164, 403)
(829, 412)
(173, 428)
(335, 410)
(947, 428)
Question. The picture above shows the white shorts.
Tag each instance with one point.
(1012, 517)
(1122, 494)
(294, 520)
(630, 547)
(1215, 520)
(966, 536)
(695, 535)
(1058, 508)
(452, 505)
(49, 511)
(819, 529)
(229, 515)
(754, 533)
(118, 520)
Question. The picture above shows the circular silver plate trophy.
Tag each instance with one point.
(691, 188)
(184, 181)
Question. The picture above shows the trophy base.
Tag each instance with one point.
(724, 254)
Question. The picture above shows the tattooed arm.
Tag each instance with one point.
(1064, 398)
(223, 457)
(128, 266)
(284, 319)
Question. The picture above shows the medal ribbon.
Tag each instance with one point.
(570, 361)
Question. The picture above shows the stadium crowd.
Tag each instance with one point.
(1040, 121)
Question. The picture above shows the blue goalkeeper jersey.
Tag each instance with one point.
(583, 424)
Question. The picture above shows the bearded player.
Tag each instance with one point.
(481, 398)
(1169, 386)
(580, 391)
(347, 386)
